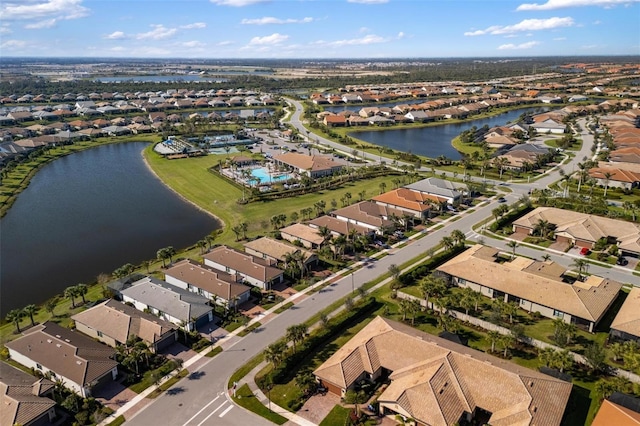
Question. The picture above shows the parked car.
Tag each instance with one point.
(622, 261)
(502, 200)
(584, 251)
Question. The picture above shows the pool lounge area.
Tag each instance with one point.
(262, 176)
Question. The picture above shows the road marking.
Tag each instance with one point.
(212, 413)
(201, 410)
(226, 411)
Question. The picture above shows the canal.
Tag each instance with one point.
(86, 214)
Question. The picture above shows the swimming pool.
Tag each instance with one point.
(261, 174)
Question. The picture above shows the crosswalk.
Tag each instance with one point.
(225, 403)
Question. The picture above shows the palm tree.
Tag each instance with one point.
(617, 350)
(395, 271)
(542, 228)
(607, 177)
(467, 299)
(382, 186)
(50, 305)
(71, 292)
(82, 290)
(507, 341)
(203, 245)
(447, 242)
(31, 310)
(513, 245)
(581, 264)
(275, 353)
(306, 381)
(211, 238)
(458, 237)
(510, 309)
(432, 285)
(501, 163)
(296, 334)
(493, 337)
(170, 253)
(162, 255)
(237, 230)
(15, 316)
(244, 227)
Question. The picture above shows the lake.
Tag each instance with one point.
(89, 213)
(434, 141)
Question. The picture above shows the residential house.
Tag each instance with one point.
(168, 302)
(23, 398)
(437, 382)
(339, 227)
(626, 324)
(619, 410)
(582, 229)
(81, 362)
(379, 218)
(314, 166)
(549, 126)
(277, 251)
(114, 323)
(206, 281)
(335, 120)
(440, 188)
(616, 175)
(251, 269)
(304, 235)
(535, 286)
(410, 202)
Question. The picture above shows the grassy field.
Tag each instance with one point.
(191, 178)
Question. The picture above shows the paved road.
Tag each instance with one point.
(205, 401)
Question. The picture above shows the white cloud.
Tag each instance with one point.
(559, 39)
(192, 44)
(368, 39)
(268, 20)
(13, 44)
(47, 23)
(368, 1)
(225, 43)
(272, 39)
(560, 4)
(117, 49)
(237, 3)
(40, 10)
(5, 30)
(195, 25)
(158, 32)
(522, 46)
(597, 22)
(400, 35)
(526, 25)
(116, 35)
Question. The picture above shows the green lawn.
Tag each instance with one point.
(337, 416)
(245, 398)
(191, 178)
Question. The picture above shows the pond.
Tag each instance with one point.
(434, 141)
(90, 213)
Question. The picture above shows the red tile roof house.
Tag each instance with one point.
(81, 362)
(23, 398)
(413, 203)
(114, 323)
(253, 270)
(313, 166)
(208, 282)
(437, 382)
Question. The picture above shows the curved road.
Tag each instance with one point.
(205, 401)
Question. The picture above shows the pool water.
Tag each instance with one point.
(261, 174)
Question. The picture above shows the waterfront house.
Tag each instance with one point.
(251, 269)
(114, 323)
(81, 362)
(216, 285)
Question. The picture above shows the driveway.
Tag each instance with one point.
(114, 395)
(318, 406)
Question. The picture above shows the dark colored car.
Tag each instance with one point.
(502, 200)
(622, 261)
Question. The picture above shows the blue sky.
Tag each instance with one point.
(318, 28)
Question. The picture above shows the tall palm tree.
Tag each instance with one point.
(581, 264)
(244, 227)
(493, 337)
(50, 305)
(458, 236)
(447, 242)
(382, 186)
(513, 245)
(275, 353)
(432, 285)
(31, 310)
(83, 289)
(607, 178)
(203, 245)
(507, 341)
(296, 333)
(71, 292)
(501, 163)
(15, 316)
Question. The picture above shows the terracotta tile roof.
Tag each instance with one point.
(628, 318)
(435, 381)
(613, 414)
(618, 175)
(587, 300)
(68, 353)
(408, 199)
(120, 322)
